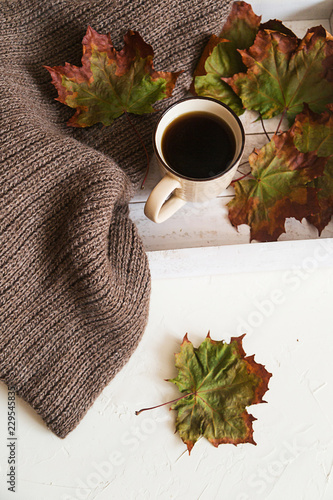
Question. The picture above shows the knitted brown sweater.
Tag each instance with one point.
(74, 278)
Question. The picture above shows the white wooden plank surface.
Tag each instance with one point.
(295, 10)
(303, 257)
(202, 225)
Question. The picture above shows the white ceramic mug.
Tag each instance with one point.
(174, 189)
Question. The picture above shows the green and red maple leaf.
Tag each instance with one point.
(111, 83)
(313, 132)
(220, 382)
(291, 176)
(284, 72)
(221, 58)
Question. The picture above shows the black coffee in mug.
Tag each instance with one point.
(199, 145)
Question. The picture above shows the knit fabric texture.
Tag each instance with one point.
(74, 276)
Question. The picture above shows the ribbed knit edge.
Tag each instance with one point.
(63, 390)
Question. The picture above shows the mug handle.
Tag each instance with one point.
(158, 208)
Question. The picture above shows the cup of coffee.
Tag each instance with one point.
(198, 143)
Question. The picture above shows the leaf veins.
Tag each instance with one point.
(284, 72)
(110, 83)
(279, 188)
(219, 382)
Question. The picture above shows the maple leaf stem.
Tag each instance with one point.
(240, 178)
(242, 164)
(279, 125)
(263, 127)
(163, 404)
(143, 145)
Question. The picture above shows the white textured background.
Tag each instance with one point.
(114, 454)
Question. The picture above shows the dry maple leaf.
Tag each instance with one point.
(314, 132)
(279, 188)
(284, 72)
(110, 83)
(241, 25)
(220, 57)
(219, 382)
(276, 25)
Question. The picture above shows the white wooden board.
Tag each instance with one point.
(294, 11)
(303, 257)
(202, 225)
